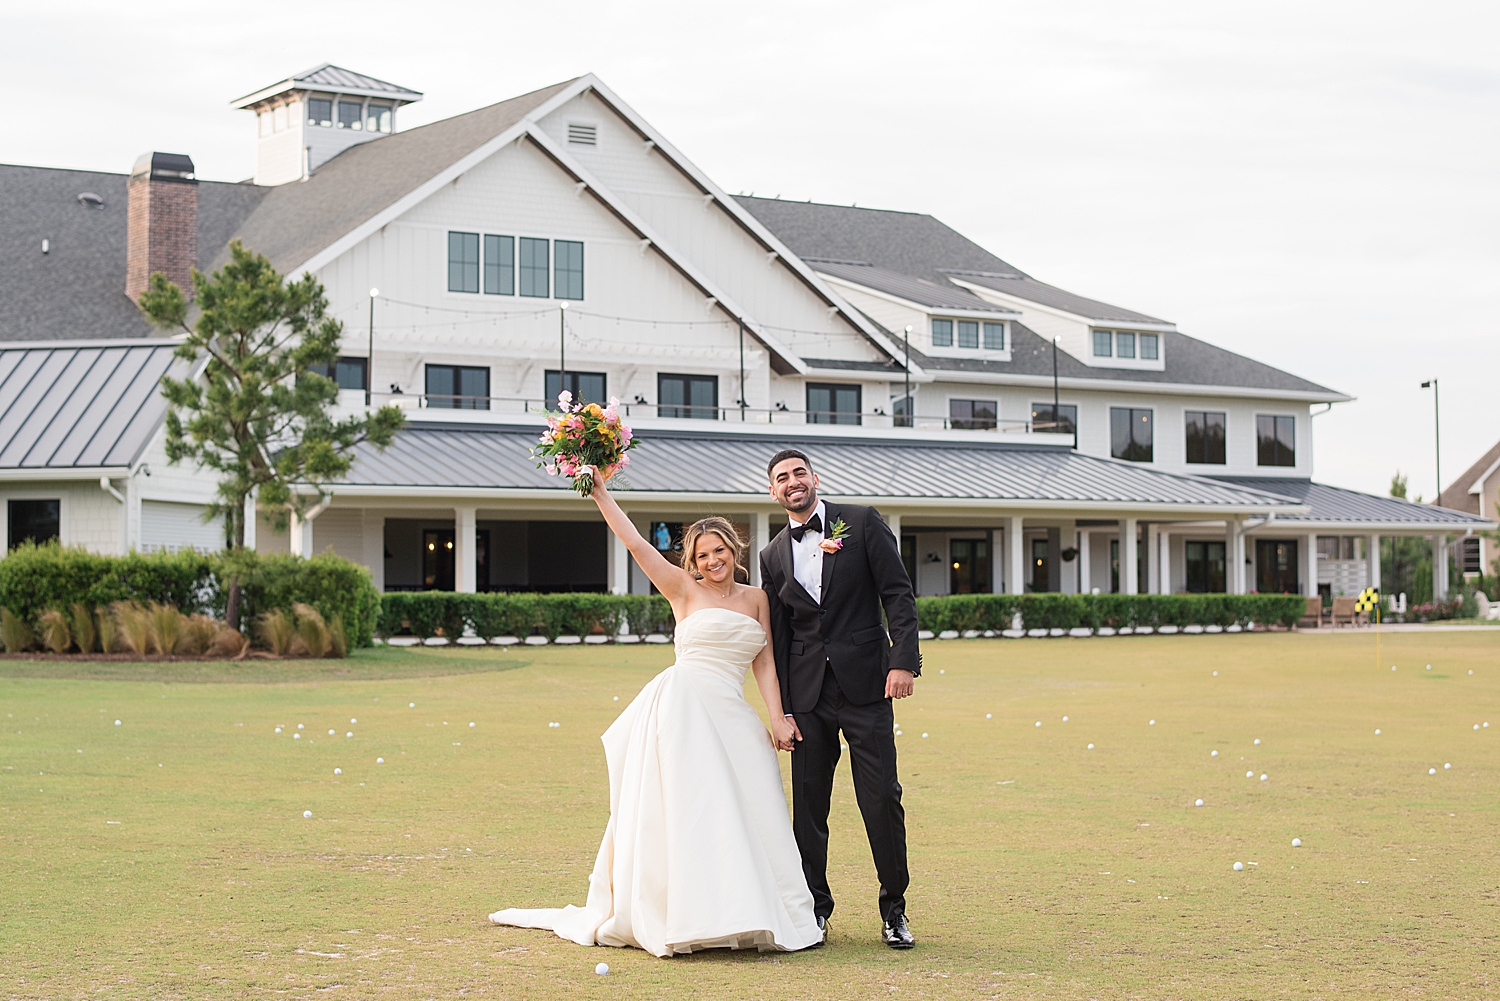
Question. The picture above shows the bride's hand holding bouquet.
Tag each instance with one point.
(583, 440)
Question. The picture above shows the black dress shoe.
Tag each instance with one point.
(896, 934)
(823, 936)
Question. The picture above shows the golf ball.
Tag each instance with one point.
(992, 716)
(1038, 722)
(924, 736)
(471, 723)
(555, 726)
(602, 969)
(1257, 740)
(1429, 667)
(1239, 866)
(1262, 776)
(338, 771)
(117, 722)
(296, 736)
(1432, 771)
(898, 733)
(306, 814)
(617, 698)
(349, 733)
(1249, 775)
(411, 705)
(299, 726)
(353, 721)
(940, 671)
(1471, 670)
(330, 733)
(1065, 719)
(1486, 724)
(1152, 723)
(1446, 766)
(1377, 731)
(1216, 674)
(1197, 802)
(1296, 842)
(1213, 754)
(278, 729)
(1091, 747)
(380, 761)
(1476, 726)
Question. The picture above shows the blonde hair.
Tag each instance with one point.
(716, 525)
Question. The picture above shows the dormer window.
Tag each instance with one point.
(1150, 347)
(378, 118)
(942, 333)
(1128, 344)
(971, 335)
(351, 115)
(320, 112)
(994, 337)
(1125, 344)
(1104, 343)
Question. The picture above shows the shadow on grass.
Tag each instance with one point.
(373, 664)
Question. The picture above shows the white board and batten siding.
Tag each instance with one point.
(169, 525)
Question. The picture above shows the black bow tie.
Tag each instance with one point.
(813, 524)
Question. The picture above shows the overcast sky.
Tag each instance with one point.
(1313, 185)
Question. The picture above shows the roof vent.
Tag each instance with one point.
(91, 200)
(583, 135)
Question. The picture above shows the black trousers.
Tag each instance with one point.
(872, 757)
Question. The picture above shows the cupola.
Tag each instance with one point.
(309, 118)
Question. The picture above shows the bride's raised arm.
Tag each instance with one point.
(671, 580)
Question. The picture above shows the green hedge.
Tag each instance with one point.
(426, 613)
(35, 578)
(1071, 611)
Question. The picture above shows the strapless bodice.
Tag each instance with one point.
(719, 641)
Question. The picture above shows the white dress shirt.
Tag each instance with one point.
(807, 558)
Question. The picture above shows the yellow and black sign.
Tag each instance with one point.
(1369, 600)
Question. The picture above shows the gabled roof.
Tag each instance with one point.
(1345, 509)
(1463, 493)
(966, 474)
(917, 290)
(85, 406)
(77, 288)
(332, 78)
(1028, 288)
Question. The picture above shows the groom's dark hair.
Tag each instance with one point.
(785, 454)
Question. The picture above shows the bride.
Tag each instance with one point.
(698, 853)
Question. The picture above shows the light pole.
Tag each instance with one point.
(1056, 420)
(743, 403)
(911, 417)
(1437, 439)
(562, 348)
(370, 354)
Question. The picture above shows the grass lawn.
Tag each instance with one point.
(168, 857)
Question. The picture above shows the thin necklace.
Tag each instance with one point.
(722, 597)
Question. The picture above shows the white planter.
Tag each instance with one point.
(1168, 630)
(1036, 632)
(470, 641)
(1081, 631)
(925, 634)
(627, 638)
(506, 640)
(1014, 634)
(402, 641)
(1194, 629)
(1142, 630)
(568, 640)
(990, 634)
(596, 639)
(1213, 629)
(1057, 632)
(1105, 631)
(1233, 628)
(657, 638)
(970, 634)
(437, 641)
(535, 641)
(948, 634)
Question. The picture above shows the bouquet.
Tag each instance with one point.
(580, 435)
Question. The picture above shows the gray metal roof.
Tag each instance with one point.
(918, 290)
(667, 462)
(1341, 506)
(75, 406)
(295, 221)
(77, 289)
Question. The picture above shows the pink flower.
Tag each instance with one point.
(624, 461)
(551, 469)
(564, 398)
(831, 545)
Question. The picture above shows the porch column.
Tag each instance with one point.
(1372, 561)
(1163, 561)
(373, 531)
(1015, 556)
(251, 518)
(1439, 568)
(1085, 563)
(1310, 564)
(760, 537)
(300, 532)
(465, 531)
(1234, 555)
(618, 561)
(1128, 563)
(997, 561)
(1067, 573)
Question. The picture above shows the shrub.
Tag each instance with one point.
(328, 583)
(56, 636)
(110, 640)
(168, 626)
(275, 630)
(337, 637)
(494, 615)
(135, 627)
(229, 642)
(312, 630)
(198, 632)
(85, 634)
(15, 632)
(34, 578)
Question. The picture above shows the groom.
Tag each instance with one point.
(828, 575)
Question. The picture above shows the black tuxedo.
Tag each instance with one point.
(832, 657)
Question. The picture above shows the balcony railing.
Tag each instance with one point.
(535, 406)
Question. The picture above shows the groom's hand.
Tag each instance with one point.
(899, 684)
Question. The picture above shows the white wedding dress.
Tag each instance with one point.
(699, 852)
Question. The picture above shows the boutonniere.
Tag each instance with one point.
(834, 541)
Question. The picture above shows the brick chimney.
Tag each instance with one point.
(162, 222)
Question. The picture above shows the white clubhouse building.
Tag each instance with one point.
(482, 262)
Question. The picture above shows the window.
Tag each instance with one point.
(458, 387)
(1276, 566)
(901, 412)
(695, 396)
(1468, 555)
(349, 373)
(1205, 567)
(1103, 344)
(831, 403)
(1041, 565)
(1205, 437)
(583, 135)
(968, 333)
(463, 262)
(534, 254)
(1130, 434)
(1044, 421)
(36, 521)
(994, 337)
(969, 566)
(568, 269)
(1340, 547)
(378, 118)
(1124, 345)
(586, 387)
(499, 265)
(320, 112)
(942, 333)
(1275, 440)
(351, 115)
(1150, 350)
(973, 415)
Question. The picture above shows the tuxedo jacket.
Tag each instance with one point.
(843, 632)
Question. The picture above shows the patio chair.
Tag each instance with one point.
(1313, 616)
(1345, 612)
